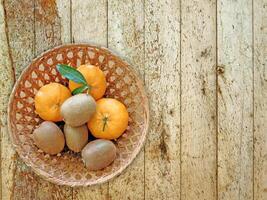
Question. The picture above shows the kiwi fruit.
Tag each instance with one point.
(78, 109)
(49, 138)
(76, 137)
(98, 154)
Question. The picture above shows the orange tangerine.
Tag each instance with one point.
(94, 78)
(110, 120)
(48, 100)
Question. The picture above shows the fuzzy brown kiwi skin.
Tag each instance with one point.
(78, 109)
(76, 137)
(49, 138)
(98, 154)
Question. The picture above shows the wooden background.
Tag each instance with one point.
(204, 64)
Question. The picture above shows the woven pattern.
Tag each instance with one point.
(67, 168)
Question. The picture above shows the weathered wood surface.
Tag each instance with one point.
(17, 179)
(198, 100)
(235, 100)
(7, 78)
(126, 38)
(162, 69)
(89, 24)
(204, 66)
(50, 32)
(260, 98)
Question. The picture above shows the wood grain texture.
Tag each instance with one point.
(6, 83)
(126, 37)
(50, 31)
(64, 14)
(89, 24)
(198, 99)
(260, 99)
(20, 32)
(52, 24)
(47, 25)
(162, 70)
(98, 192)
(235, 100)
(22, 181)
(17, 180)
(89, 21)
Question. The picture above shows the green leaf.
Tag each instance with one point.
(71, 73)
(80, 89)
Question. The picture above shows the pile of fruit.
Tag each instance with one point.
(83, 113)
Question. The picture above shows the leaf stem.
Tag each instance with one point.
(88, 89)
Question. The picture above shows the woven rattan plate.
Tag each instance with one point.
(67, 168)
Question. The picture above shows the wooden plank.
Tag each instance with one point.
(64, 14)
(126, 36)
(52, 28)
(89, 21)
(6, 83)
(17, 180)
(198, 99)
(23, 183)
(260, 99)
(89, 24)
(162, 72)
(98, 192)
(235, 100)
(52, 24)
(20, 31)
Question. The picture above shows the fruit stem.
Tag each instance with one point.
(105, 120)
